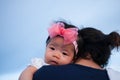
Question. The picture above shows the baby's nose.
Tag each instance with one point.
(57, 55)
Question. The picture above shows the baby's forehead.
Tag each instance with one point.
(58, 41)
(61, 45)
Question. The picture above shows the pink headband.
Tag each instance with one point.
(69, 34)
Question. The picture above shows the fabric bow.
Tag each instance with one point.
(69, 34)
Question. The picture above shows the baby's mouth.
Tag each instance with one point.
(53, 63)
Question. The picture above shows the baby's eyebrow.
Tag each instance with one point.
(65, 50)
(54, 44)
(68, 50)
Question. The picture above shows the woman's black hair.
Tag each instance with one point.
(94, 44)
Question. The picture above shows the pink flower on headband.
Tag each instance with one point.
(69, 34)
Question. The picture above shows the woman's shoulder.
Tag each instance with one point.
(57, 67)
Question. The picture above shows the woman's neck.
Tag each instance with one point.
(88, 63)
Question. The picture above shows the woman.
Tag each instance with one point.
(94, 50)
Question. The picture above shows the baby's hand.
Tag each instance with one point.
(37, 62)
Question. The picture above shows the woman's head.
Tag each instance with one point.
(96, 45)
(61, 43)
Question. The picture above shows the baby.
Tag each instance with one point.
(61, 48)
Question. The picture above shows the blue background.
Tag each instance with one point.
(24, 23)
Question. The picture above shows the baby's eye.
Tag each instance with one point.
(52, 48)
(65, 53)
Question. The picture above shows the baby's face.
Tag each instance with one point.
(57, 53)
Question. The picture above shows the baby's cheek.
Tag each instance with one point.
(45, 60)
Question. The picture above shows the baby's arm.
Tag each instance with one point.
(27, 74)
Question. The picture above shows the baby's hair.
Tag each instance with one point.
(96, 45)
